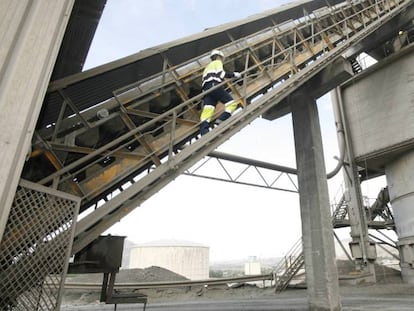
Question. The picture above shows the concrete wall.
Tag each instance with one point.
(189, 261)
(31, 33)
(401, 188)
(380, 108)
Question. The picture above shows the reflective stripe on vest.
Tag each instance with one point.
(214, 72)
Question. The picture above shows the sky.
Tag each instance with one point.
(235, 221)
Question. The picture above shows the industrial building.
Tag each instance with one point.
(252, 266)
(97, 144)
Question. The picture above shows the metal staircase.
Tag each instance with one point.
(119, 152)
(356, 67)
(339, 215)
(287, 268)
(378, 214)
(294, 260)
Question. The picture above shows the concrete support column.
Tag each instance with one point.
(401, 189)
(318, 242)
(31, 33)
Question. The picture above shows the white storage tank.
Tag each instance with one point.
(188, 259)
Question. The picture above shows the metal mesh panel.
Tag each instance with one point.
(35, 248)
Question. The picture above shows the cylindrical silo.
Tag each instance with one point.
(188, 259)
(401, 189)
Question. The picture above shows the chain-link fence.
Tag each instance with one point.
(35, 248)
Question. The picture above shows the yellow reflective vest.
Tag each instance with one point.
(213, 72)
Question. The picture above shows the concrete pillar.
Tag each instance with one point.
(31, 33)
(400, 182)
(318, 242)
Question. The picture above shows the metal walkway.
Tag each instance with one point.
(116, 146)
(378, 215)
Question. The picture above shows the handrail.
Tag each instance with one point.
(191, 103)
(132, 197)
(286, 268)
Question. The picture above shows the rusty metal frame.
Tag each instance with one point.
(126, 201)
(295, 56)
(178, 80)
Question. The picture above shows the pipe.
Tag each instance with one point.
(239, 159)
(340, 131)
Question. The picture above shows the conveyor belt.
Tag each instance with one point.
(96, 85)
(138, 138)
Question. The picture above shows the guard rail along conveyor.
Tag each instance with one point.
(116, 146)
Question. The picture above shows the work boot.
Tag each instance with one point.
(223, 117)
(204, 128)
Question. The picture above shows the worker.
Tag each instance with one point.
(214, 74)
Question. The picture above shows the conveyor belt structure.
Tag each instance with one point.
(117, 134)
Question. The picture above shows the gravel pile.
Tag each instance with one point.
(73, 297)
(383, 273)
(150, 274)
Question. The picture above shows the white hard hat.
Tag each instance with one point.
(216, 52)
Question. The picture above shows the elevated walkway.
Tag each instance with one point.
(378, 215)
(115, 145)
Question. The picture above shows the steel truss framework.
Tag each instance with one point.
(153, 123)
(260, 174)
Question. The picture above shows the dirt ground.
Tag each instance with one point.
(388, 286)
